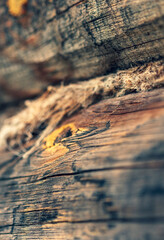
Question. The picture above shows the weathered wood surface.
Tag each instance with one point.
(57, 103)
(100, 175)
(49, 41)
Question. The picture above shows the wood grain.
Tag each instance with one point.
(68, 40)
(57, 103)
(107, 185)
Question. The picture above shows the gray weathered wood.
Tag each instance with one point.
(70, 39)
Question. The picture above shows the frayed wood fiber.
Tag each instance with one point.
(42, 115)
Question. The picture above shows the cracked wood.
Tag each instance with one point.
(108, 184)
(68, 40)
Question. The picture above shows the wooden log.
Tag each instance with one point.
(99, 175)
(57, 103)
(69, 169)
(65, 40)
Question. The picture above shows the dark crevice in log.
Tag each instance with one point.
(111, 220)
(150, 165)
(68, 8)
(135, 167)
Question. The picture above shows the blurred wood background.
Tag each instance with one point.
(50, 41)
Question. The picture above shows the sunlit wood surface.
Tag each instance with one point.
(99, 175)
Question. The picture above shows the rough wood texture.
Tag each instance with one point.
(99, 176)
(56, 40)
(60, 102)
(70, 170)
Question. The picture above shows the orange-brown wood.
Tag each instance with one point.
(99, 175)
